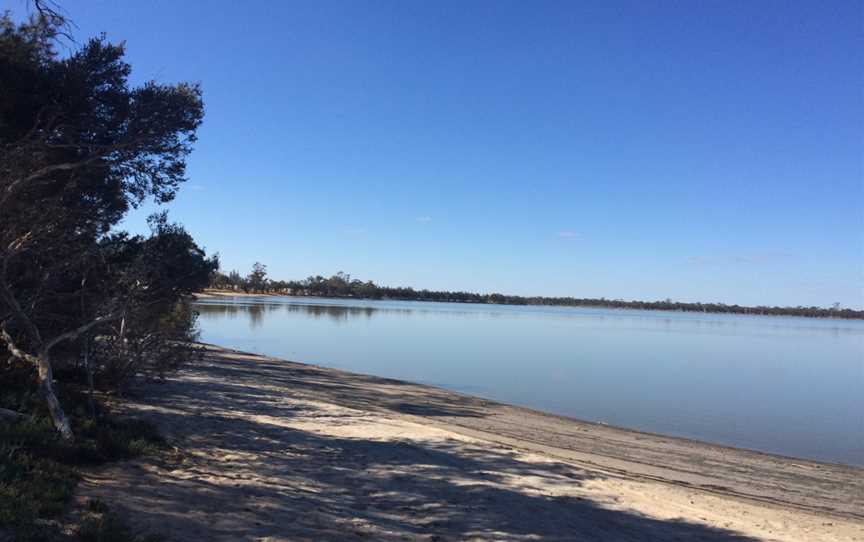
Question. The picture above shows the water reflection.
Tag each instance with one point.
(255, 311)
(778, 384)
(342, 310)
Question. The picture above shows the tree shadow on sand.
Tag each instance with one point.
(250, 475)
(288, 483)
(349, 389)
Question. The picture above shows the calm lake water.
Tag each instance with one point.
(793, 386)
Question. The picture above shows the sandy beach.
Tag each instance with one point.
(273, 450)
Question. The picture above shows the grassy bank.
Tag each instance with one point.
(39, 471)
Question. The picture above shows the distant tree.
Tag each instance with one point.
(257, 279)
(218, 280)
(342, 284)
(235, 280)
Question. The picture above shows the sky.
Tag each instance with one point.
(698, 151)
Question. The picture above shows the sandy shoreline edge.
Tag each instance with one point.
(561, 417)
(523, 427)
(575, 474)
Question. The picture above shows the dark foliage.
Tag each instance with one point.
(79, 147)
(79, 301)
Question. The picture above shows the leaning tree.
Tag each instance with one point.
(79, 147)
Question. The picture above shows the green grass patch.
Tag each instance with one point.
(106, 526)
(39, 471)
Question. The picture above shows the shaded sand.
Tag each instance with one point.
(272, 450)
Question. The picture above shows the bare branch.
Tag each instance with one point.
(11, 415)
(75, 333)
(9, 299)
(48, 14)
(14, 350)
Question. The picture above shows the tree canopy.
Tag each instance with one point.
(79, 147)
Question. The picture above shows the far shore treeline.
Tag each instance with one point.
(343, 285)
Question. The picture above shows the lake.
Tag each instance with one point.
(787, 385)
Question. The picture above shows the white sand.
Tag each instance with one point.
(271, 450)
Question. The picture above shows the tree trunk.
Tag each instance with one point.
(46, 389)
(90, 401)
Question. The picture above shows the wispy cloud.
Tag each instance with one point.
(759, 258)
(196, 187)
(424, 219)
(702, 260)
(569, 235)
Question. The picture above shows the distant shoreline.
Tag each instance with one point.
(213, 293)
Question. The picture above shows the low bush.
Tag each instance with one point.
(38, 470)
(102, 525)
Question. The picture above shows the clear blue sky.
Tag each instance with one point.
(692, 150)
